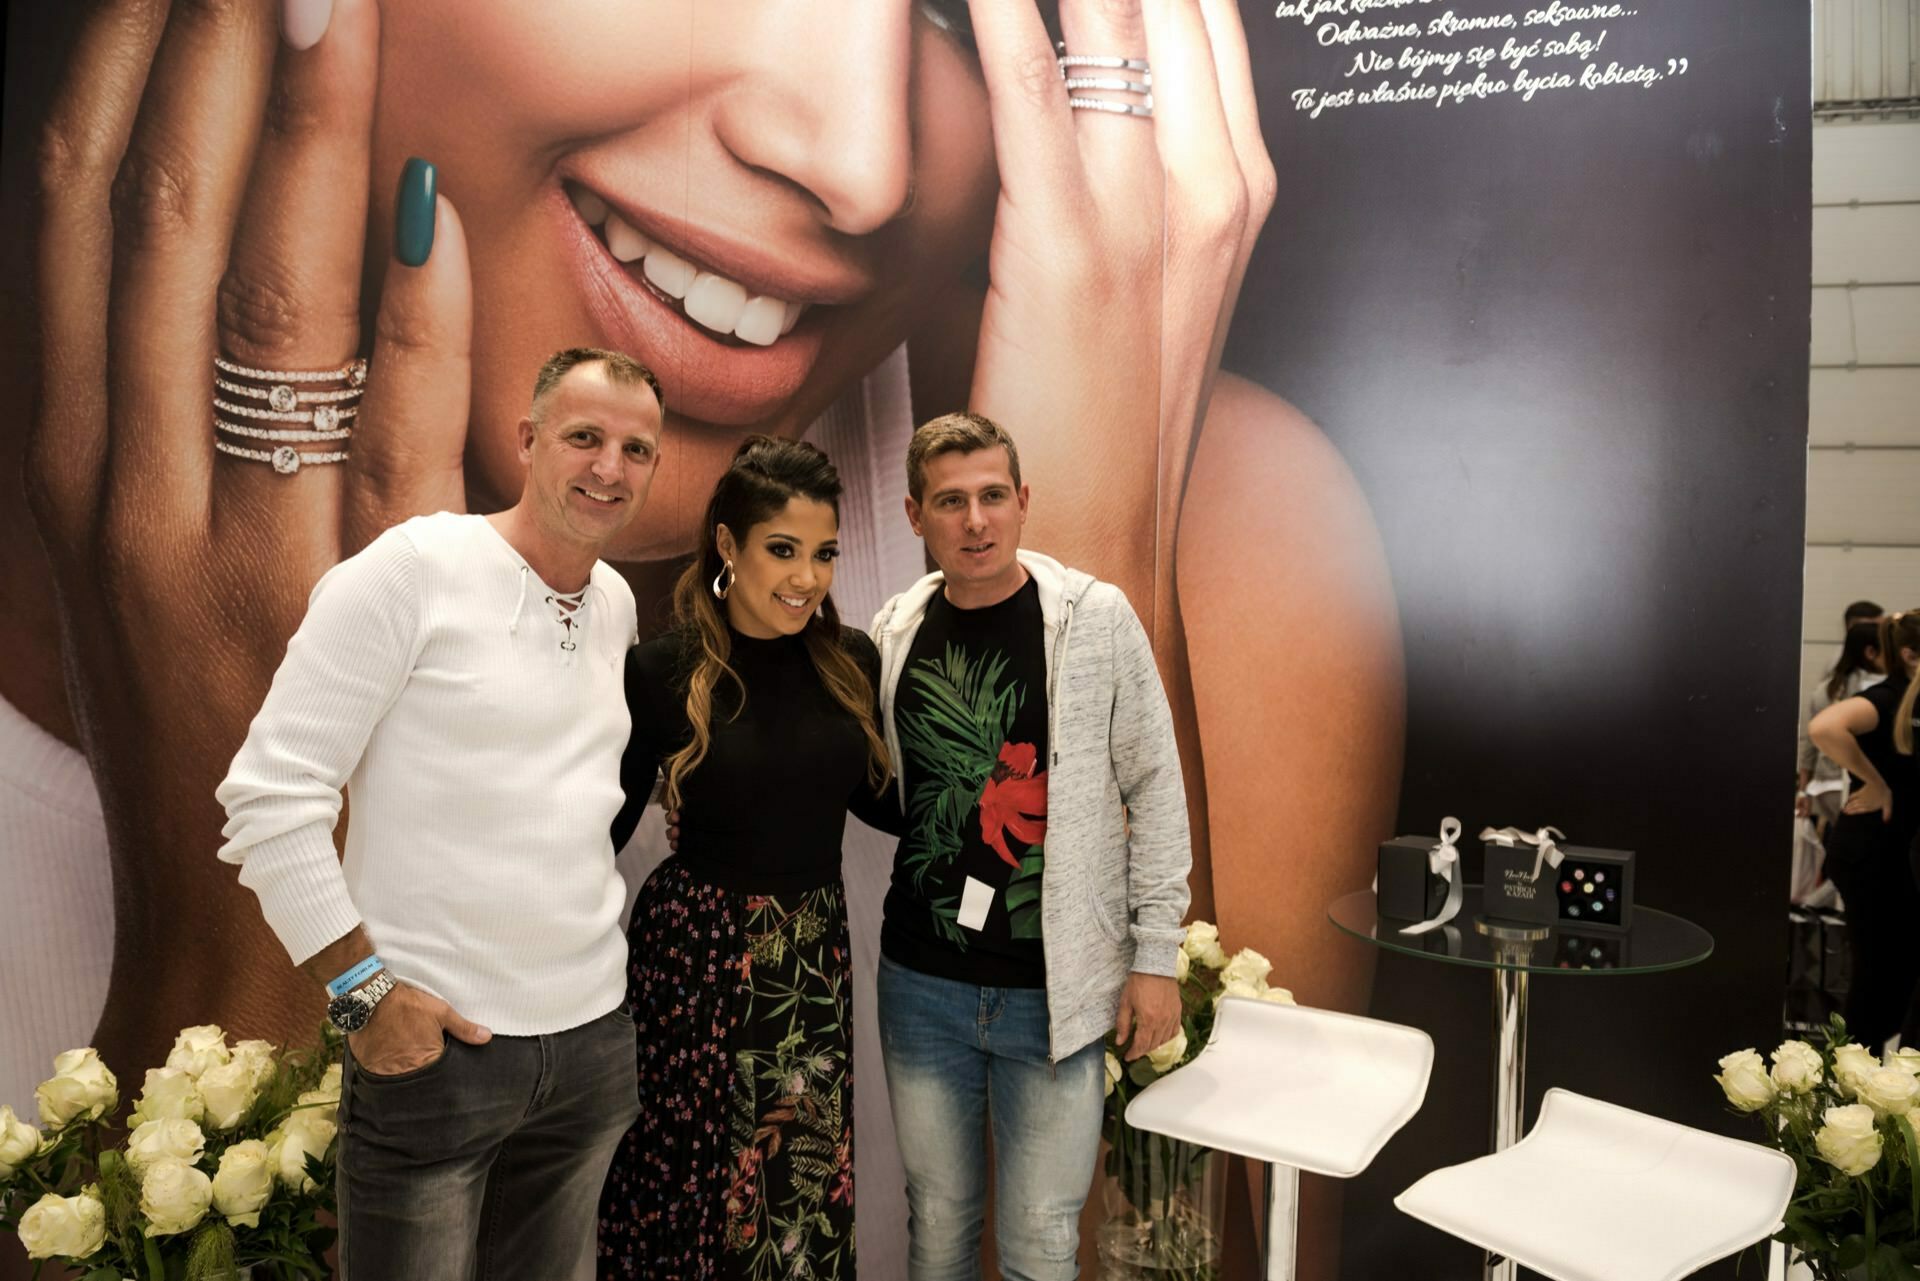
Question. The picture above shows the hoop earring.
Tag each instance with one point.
(720, 590)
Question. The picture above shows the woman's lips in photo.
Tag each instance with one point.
(727, 352)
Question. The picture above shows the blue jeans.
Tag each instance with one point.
(956, 1055)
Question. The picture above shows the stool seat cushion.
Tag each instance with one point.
(1312, 1089)
(1597, 1192)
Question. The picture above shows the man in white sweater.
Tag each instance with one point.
(461, 677)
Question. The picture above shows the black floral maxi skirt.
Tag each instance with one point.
(741, 1164)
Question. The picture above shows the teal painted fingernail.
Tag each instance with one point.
(413, 214)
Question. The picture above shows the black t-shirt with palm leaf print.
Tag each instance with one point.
(971, 710)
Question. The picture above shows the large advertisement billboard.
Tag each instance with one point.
(1431, 376)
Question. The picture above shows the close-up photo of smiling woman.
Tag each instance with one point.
(841, 219)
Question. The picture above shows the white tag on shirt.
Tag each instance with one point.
(975, 901)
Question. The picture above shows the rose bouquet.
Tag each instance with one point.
(226, 1163)
(1847, 1119)
(1165, 1198)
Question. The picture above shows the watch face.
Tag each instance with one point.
(348, 1013)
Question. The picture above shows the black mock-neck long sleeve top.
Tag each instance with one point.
(766, 809)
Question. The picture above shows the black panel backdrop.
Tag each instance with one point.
(1563, 345)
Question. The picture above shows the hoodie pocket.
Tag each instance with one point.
(1115, 928)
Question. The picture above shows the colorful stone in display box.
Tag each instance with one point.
(1531, 877)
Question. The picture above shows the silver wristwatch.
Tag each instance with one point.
(349, 1012)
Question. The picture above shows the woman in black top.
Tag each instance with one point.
(759, 709)
(1870, 848)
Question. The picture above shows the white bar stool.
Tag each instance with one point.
(1598, 1192)
(1297, 1088)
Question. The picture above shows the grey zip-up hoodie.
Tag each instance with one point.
(1114, 887)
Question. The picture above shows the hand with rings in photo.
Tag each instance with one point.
(1133, 183)
(208, 440)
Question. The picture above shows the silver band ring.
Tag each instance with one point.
(279, 433)
(1114, 108)
(283, 396)
(354, 372)
(1102, 63)
(286, 459)
(323, 417)
(1108, 82)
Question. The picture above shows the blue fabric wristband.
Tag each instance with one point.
(356, 976)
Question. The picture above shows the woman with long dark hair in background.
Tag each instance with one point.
(1869, 847)
(758, 708)
(1821, 785)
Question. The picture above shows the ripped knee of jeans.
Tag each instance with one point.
(1048, 1233)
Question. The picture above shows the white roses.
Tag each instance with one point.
(1796, 1067)
(1743, 1077)
(64, 1226)
(198, 1048)
(227, 1090)
(80, 1089)
(193, 1155)
(18, 1142)
(1247, 968)
(1202, 944)
(172, 1139)
(1851, 1063)
(1165, 1057)
(169, 1094)
(1246, 975)
(174, 1196)
(307, 1131)
(244, 1184)
(1849, 1139)
(1889, 1091)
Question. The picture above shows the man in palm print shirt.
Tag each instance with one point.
(1038, 889)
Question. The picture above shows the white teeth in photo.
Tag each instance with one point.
(668, 272)
(623, 242)
(715, 302)
(760, 321)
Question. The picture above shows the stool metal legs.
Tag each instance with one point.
(1509, 1081)
(1283, 1223)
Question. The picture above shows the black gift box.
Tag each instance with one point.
(1406, 889)
(1591, 890)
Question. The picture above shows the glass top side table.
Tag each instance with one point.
(1514, 951)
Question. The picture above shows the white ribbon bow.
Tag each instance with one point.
(1545, 851)
(1443, 860)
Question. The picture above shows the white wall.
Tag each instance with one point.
(1865, 50)
(1864, 495)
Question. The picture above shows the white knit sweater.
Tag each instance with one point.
(482, 759)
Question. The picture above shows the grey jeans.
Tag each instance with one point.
(488, 1162)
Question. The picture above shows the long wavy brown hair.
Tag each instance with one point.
(766, 474)
(1901, 631)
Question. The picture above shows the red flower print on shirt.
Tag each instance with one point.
(1014, 801)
